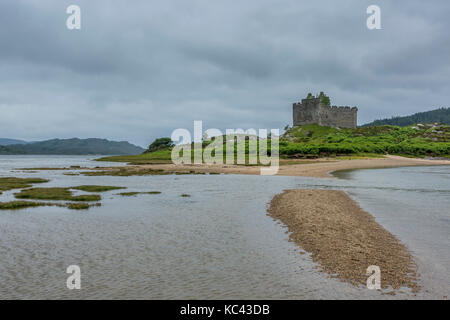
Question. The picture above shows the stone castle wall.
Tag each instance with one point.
(314, 111)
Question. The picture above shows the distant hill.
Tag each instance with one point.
(6, 142)
(441, 115)
(73, 146)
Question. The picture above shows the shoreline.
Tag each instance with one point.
(343, 238)
(320, 168)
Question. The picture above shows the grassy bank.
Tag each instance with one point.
(79, 202)
(91, 188)
(160, 156)
(17, 205)
(54, 194)
(314, 141)
(10, 183)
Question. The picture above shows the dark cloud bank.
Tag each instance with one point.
(139, 69)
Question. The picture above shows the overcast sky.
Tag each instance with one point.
(138, 70)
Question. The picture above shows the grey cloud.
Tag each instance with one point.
(137, 70)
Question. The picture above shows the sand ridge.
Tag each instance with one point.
(343, 238)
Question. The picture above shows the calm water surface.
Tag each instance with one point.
(217, 244)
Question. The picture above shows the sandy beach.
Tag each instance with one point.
(320, 168)
(344, 239)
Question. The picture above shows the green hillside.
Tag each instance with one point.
(441, 115)
(73, 146)
(418, 141)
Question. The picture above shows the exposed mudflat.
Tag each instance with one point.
(319, 168)
(343, 238)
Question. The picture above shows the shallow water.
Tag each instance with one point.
(217, 244)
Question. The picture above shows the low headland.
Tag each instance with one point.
(312, 150)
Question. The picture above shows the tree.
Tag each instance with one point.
(160, 144)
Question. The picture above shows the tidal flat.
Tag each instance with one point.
(138, 171)
(320, 168)
(11, 183)
(220, 243)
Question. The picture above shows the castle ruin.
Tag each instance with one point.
(318, 110)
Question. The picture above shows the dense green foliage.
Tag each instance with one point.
(326, 141)
(441, 115)
(73, 146)
(160, 144)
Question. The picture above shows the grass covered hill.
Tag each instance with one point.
(73, 146)
(416, 141)
(441, 115)
(313, 141)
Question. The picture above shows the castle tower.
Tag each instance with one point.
(317, 109)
